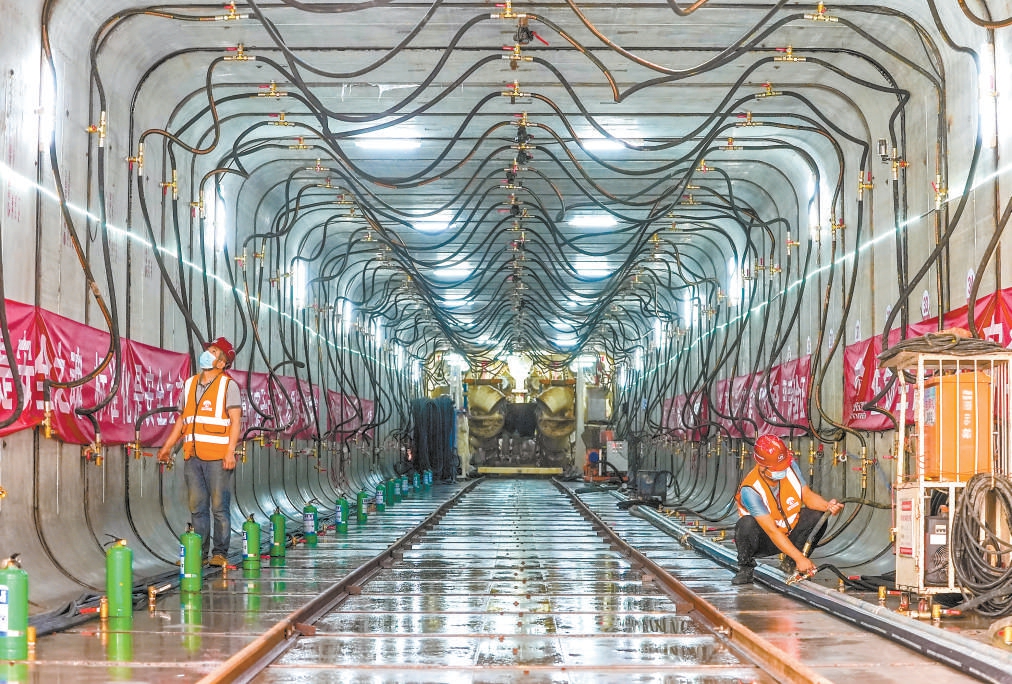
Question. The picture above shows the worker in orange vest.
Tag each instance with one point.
(210, 421)
(777, 509)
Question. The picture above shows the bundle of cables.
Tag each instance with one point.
(979, 554)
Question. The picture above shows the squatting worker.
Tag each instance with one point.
(777, 510)
(210, 421)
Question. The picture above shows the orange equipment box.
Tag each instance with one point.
(957, 426)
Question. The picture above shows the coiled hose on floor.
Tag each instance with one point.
(979, 553)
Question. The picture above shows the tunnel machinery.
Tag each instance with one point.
(609, 244)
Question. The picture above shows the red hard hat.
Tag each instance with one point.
(771, 452)
(226, 348)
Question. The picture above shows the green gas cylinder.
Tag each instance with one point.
(250, 543)
(191, 606)
(277, 534)
(309, 523)
(417, 480)
(13, 610)
(191, 570)
(405, 486)
(389, 485)
(380, 498)
(119, 579)
(396, 482)
(360, 507)
(341, 515)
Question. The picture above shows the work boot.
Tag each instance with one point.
(219, 560)
(744, 576)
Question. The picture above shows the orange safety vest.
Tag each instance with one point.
(784, 506)
(205, 420)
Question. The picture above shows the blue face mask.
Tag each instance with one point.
(206, 360)
(777, 474)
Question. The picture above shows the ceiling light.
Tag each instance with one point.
(592, 269)
(593, 221)
(390, 144)
(607, 144)
(453, 272)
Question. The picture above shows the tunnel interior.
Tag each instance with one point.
(467, 235)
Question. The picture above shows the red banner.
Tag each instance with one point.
(675, 416)
(58, 348)
(346, 415)
(756, 404)
(863, 379)
(32, 364)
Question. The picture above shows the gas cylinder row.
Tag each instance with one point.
(116, 608)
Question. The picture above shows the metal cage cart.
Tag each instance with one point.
(956, 424)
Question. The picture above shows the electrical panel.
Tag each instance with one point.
(936, 551)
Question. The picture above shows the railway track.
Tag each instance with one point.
(514, 584)
(496, 581)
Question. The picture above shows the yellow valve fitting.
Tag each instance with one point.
(47, 421)
(138, 160)
(882, 593)
(863, 183)
(32, 636)
(240, 54)
(820, 14)
(101, 128)
(787, 55)
(173, 185)
(768, 91)
(103, 608)
(730, 146)
(271, 91)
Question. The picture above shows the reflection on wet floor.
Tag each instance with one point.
(512, 586)
(531, 588)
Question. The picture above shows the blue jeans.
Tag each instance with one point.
(209, 489)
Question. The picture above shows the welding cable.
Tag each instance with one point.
(19, 392)
(110, 316)
(984, 23)
(976, 548)
(718, 60)
(866, 583)
(272, 31)
(984, 259)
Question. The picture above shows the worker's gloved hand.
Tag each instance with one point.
(806, 566)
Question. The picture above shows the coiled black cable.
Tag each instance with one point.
(976, 549)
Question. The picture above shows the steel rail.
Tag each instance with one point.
(960, 653)
(774, 661)
(254, 658)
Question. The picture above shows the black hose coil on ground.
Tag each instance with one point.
(979, 553)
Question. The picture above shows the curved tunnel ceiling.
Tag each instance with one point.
(556, 178)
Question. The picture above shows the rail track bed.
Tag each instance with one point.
(499, 580)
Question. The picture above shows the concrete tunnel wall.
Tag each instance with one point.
(59, 508)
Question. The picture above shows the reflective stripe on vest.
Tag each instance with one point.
(205, 419)
(789, 497)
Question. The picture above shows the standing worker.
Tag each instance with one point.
(210, 422)
(777, 510)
